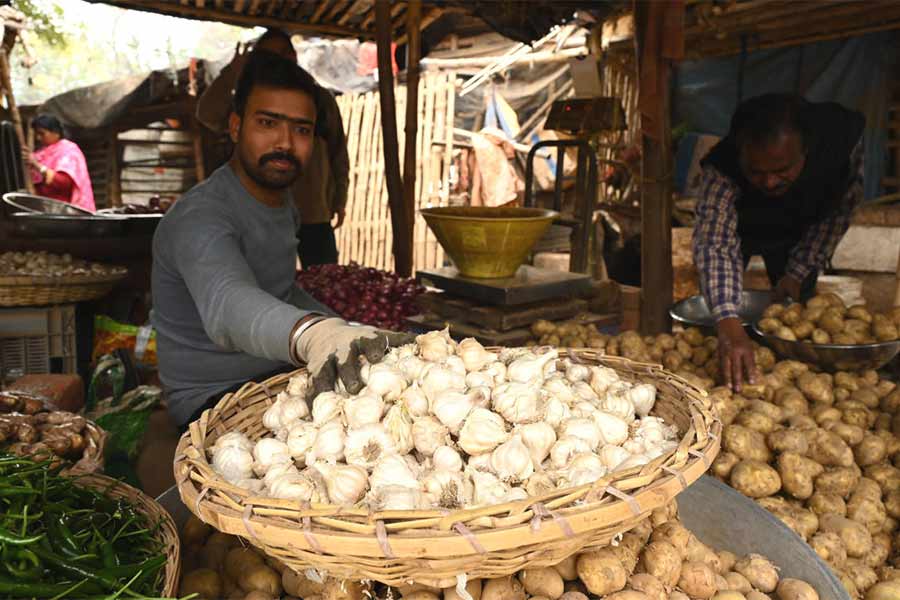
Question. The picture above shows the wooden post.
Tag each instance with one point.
(413, 53)
(6, 82)
(656, 193)
(402, 247)
(115, 172)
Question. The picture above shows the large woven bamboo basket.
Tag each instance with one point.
(166, 532)
(41, 291)
(434, 546)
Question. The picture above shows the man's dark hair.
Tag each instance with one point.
(270, 70)
(48, 122)
(273, 34)
(762, 119)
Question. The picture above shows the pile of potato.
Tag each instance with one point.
(658, 560)
(825, 320)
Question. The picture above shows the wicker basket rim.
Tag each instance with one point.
(47, 280)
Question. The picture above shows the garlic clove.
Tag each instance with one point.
(386, 381)
(518, 402)
(479, 379)
(413, 398)
(556, 411)
(538, 438)
(559, 387)
(612, 455)
(326, 407)
(268, 452)
(447, 489)
(233, 462)
(482, 431)
(363, 409)
(613, 430)
(473, 355)
(300, 439)
(452, 407)
(446, 458)
(511, 460)
(530, 367)
(583, 428)
(398, 424)
(298, 385)
(584, 391)
(393, 469)
(564, 449)
(455, 364)
(497, 370)
(345, 484)
(411, 367)
(619, 405)
(539, 483)
(487, 489)
(576, 372)
(395, 497)
(366, 445)
(429, 434)
(435, 346)
(329, 444)
(602, 378)
(436, 379)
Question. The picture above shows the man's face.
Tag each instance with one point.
(774, 167)
(274, 138)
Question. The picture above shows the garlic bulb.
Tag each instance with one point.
(233, 462)
(511, 460)
(613, 430)
(487, 488)
(643, 397)
(601, 378)
(285, 412)
(298, 385)
(482, 431)
(479, 379)
(447, 489)
(411, 367)
(254, 485)
(584, 391)
(386, 380)
(362, 410)
(530, 367)
(497, 370)
(233, 439)
(452, 407)
(559, 387)
(483, 396)
(564, 449)
(364, 446)
(435, 346)
(295, 487)
(611, 456)
(507, 355)
(268, 452)
(300, 439)
(619, 405)
(583, 469)
(429, 434)
(398, 425)
(539, 484)
(576, 372)
(515, 494)
(635, 460)
(634, 446)
(446, 458)
(396, 497)
(326, 406)
(346, 484)
(586, 429)
(473, 355)
(518, 402)
(480, 462)
(653, 430)
(455, 364)
(583, 409)
(660, 449)
(404, 351)
(393, 469)
(329, 444)
(538, 438)
(413, 398)
(436, 379)
(556, 411)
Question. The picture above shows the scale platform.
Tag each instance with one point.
(529, 284)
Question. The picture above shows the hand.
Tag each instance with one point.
(333, 348)
(736, 354)
(339, 214)
(241, 52)
(787, 287)
(28, 155)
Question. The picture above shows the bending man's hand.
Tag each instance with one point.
(787, 287)
(736, 354)
(332, 349)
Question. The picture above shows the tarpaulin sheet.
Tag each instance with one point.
(854, 72)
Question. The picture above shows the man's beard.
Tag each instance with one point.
(270, 178)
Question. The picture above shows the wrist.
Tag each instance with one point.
(301, 327)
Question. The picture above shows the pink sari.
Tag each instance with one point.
(66, 156)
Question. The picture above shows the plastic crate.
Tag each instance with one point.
(38, 340)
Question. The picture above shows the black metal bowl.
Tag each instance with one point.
(693, 311)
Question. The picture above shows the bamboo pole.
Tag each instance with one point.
(370, 194)
(6, 82)
(413, 53)
(402, 249)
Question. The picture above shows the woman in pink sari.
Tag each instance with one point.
(58, 168)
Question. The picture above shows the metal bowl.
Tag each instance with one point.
(38, 204)
(37, 225)
(488, 243)
(693, 311)
(833, 357)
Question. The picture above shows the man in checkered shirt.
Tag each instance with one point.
(782, 184)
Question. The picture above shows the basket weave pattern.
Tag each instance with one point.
(166, 532)
(41, 291)
(92, 460)
(434, 546)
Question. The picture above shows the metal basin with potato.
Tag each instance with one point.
(488, 243)
(693, 311)
(832, 357)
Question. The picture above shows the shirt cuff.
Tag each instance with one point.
(798, 271)
(726, 310)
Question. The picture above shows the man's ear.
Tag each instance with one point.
(234, 126)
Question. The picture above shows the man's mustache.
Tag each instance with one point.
(279, 156)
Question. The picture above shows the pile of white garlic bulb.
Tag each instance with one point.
(447, 425)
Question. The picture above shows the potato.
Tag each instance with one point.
(773, 310)
(856, 538)
(797, 474)
(761, 573)
(884, 329)
(888, 477)
(746, 444)
(765, 358)
(649, 585)
(871, 450)
(803, 329)
(788, 440)
(880, 551)
(675, 533)
(661, 559)
(770, 325)
(755, 479)
(794, 589)
(344, 589)
(792, 402)
(672, 360)
(298, 584)
(700, 356)
(891, 402)
(600, 571)
(217, 546)
(785, 333)
(698, 580)
(756, 421)
(791, 315)
(567, 568)
(195, 532)
(545, 581)
(692, 336)
(824, 413)
(864, 577)
(737, 582)
(828, 449)
(868, 511)
(832, 321)
(573, 595)
(838, 480)
(790, 369)
(892, 503)
(628, 595)
(260, 577)
(238, 560)
(820, 336)
(816, 388)
(823, 503)
(206, 583)
(830, 548)
(723, 464)
(729, 595)
(886, 590)
(851, 434)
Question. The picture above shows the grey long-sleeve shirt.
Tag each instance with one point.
(224, 298)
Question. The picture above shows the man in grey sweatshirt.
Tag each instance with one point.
(225, 305)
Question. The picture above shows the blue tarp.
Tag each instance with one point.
(853, 72)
